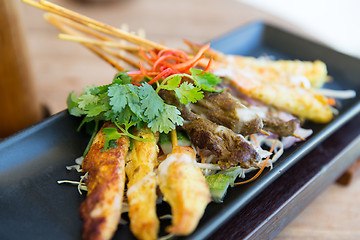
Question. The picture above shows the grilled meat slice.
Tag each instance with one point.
(281, 127)
(141, 193)
(101, 209)
(224, 109)
(241, 117)
(231, 149)
(274, 120)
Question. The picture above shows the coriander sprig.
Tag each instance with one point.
(128, 105)
(186, 91)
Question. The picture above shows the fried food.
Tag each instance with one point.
(284, 71)
(101, 209)
(303, 103)
(141, 192)
(184, 188)
(280, 71)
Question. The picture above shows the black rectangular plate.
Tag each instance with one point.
(34, 206)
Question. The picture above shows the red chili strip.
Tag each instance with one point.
(136, 84)
(143, 70)
(193, 60)
(175, 52)
(162, 61)
(208, 65)
(147, 58)
(134, 73)
(167, 72)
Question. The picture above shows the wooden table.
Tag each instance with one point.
(60, 67)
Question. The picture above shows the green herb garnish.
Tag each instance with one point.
(127, 105)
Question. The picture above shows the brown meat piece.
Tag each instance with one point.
(226, 110)
(281, 127)
(231, 149)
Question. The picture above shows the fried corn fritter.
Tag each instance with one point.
(184, 187)
(101, 210)
(141, 193)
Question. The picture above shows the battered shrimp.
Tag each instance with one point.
(288, 72)
(101, 209)
(141, 192)
(184, 188)
(300, 101)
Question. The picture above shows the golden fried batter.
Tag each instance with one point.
(141, 193)
(184, 187)
(101, 210)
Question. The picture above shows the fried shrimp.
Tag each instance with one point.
(184, 188)
(101, 209)
(281, 71)
(286, 71)
(141, 193)
(302, 102)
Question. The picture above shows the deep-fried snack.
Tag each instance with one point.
(184, 187)
(141, 188)
(101, 209)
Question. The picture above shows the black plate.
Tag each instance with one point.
(34, 206)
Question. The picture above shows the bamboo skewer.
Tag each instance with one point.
(77, 34)
(84, 29)
(121, 57)
(89, 22)
(80, 27)
(98, 42)
(299, 137)
(94, 49)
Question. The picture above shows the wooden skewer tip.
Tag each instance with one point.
(264, 132)
(297, 136)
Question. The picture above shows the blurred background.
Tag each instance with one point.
(331, 22)
(69, 66)
(48, 68)
(334, 22)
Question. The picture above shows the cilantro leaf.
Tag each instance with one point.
(111, 135)
(117, 94)
(122, 78)
(72, 103)
(167, 120)
(100, 89)
(133, 99)
(205, 80)
(86, 99)
(93, 110)
(172, 82)
(125, 95)
(151, 102)
(187, 92)
(127, 117)
(119, 78)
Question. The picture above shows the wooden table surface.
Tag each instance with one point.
(59, 67)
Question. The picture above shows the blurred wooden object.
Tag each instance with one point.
(351, 173)
(19, 105)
